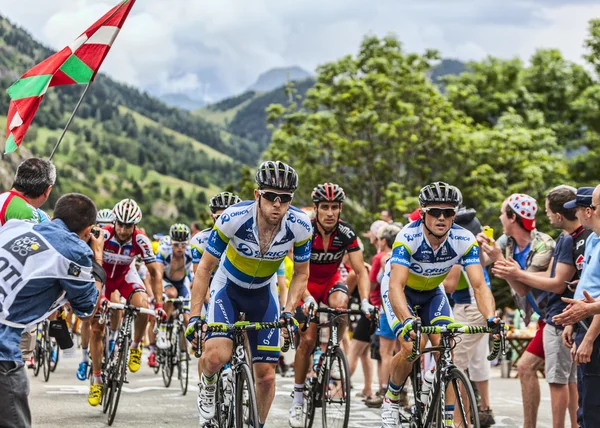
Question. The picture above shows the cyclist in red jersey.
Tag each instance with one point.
(332, 238)
(122, 243)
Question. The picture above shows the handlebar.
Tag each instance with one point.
(453, 329)
(241, 326)
(337, 311)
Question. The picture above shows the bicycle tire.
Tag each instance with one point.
(309, 401)
(184, 364)
(244, 378)
(47, 354)
(167, 366)
(341, 391)
(55, 363)
(119, 379)
(37, 357)
(463, 411)
(224, 417)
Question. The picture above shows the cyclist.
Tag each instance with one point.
(253, 237)
(423, 254)
(332, 238)
(104, 218)
(122, 243)
(217, 205)
(174, 264)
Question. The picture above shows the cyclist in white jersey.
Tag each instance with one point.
(423, 254)
(253, 237)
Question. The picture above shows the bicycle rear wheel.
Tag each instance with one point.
(465, 402)
(47, 354)
(309, 401)
(53, 364)
(246, 409)
(119, 379)
(336, 391)
(38, 357)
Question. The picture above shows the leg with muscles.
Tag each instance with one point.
(572, 408)
(264, 374)
(217, 352)
(302, 362)
(85, 342)
(96, 350)
(139, 299)
(530, 387)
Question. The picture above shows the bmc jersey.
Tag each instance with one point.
(14, 205)
(198, 244)
(428, 268)
(118, 257)
(235, 237)
(324, 264)
(165, 256)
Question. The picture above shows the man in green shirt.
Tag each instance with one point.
(33, 183)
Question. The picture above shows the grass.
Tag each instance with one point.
(221, 118)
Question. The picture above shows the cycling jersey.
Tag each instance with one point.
(464, 291)
(235, 235)
(324, 263)
(15, 205)
(165, 257)
(198, 244)
(428, 268)
(118, 257)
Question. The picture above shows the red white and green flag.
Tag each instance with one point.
(77, 63)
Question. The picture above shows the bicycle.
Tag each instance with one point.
(243, 409)
(429, 411)
(176, 355)
(322, 389)
(44, 348)
(115, 373)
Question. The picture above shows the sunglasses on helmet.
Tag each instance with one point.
(284, 198)
(437, 212)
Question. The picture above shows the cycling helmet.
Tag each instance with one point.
(179, 232)
(328, 192)
(127, 211)
(105, 216)
(223, 201)
(440, 193)
(277, 175)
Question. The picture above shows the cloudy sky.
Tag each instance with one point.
(221, 46)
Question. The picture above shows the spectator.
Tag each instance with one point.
(587, 343)
(32, 186)
(46, 262)
(532, 249)
(386, 215)
(561, 371)
(470, 354)
(195, 228)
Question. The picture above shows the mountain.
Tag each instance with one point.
(278, 77)
(182, 101)
(245, 116)
(122, 143)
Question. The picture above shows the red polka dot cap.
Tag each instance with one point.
(525, 207)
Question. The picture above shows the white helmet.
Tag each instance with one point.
(128, 212)
(105, 216)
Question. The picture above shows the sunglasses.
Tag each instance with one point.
(437, 212)
(284, 198)
(180, 244)
(593, 207)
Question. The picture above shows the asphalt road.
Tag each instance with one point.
(62, 402)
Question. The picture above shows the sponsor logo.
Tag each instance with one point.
(245, 249)
(387, 303)
(74, 270)
(219, 302)
(224, 218)
(579, 244)
(417, 268)
(444, 251)
(267, 340)
(411, 237)
(460, 238)
(345, 230)
(25, 245)
(326, 257)
(579, 262)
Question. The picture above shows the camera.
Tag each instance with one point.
(96, 232)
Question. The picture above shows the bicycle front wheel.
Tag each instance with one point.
(246, 408)
(464, 401)
(47, 355)
(38, 357)
(183, 365)
(54, 363)
(336, 391)
(118, 380)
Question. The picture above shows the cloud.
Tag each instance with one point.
(220, 47)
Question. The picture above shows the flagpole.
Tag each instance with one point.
(70, 120)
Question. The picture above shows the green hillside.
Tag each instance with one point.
(123, 143)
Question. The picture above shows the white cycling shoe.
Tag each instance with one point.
(206, 401)
(390, 414)
(296, 416)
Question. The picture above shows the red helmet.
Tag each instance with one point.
(328, 192)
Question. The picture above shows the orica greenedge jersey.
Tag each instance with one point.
(198, 244)
(165, 257)
(235, 235)
(428, 268)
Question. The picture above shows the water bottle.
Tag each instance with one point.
(316, 358)
(426, 387)
(227, 384)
